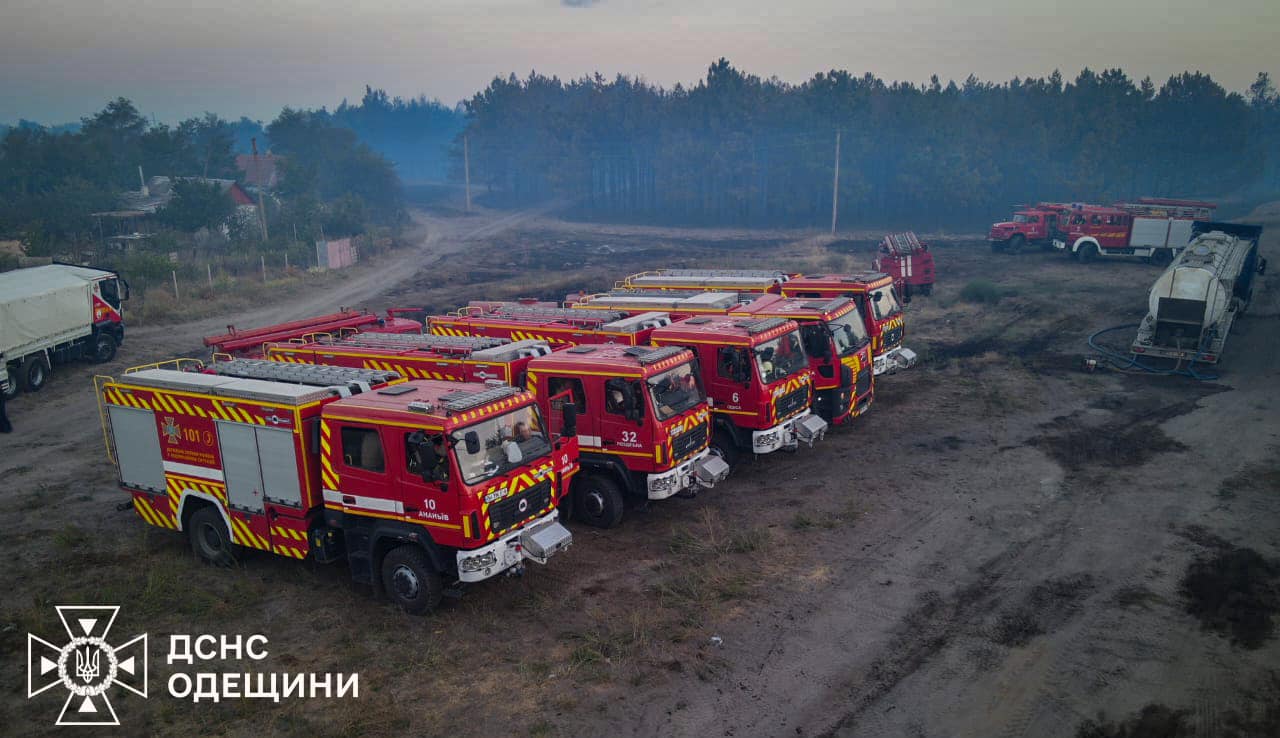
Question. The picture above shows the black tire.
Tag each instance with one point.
(1087, 253)
(1161, 257)
(410, 581)
(210, 539)
(722, 445)
(104, 348)
(1016, 243)
(597, 501)
(14, 386)
(35, 373)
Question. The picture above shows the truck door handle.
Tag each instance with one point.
(348, 500)
(410, 510)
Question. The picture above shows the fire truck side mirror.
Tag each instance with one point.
(472, 441)
(570, 413)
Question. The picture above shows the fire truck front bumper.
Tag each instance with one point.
(702, 470)
(789, 434)
(538, 541)
(895, 359)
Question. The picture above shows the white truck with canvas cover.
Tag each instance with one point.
(57, 313)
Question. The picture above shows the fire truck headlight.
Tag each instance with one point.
(663, 484)
(477, 563)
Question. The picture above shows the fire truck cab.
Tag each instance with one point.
(838, 346)
(643, 424)
(758, 379)
(415, 484)
(878, 302)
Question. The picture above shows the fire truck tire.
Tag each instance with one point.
(210, 539)
(410, 581)
(1161, 257)
(1016, 243)
(12, 388)
(722, 445)
(597, 501)
(1087, 253)
(104, 348)
(35, 372)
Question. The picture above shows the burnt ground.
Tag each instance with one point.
(1004, 546)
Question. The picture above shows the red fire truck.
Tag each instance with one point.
(1152, 228)
(249, 343)
(423, 356)
(557, 326)
(757, 375)
(835, 337)
(881, 309)
(643, 424)
(907, 259)
(748, 400)
(874, 293)
(1032, 225)
(415, 483)
(641, 431)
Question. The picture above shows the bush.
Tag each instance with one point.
(981, 291)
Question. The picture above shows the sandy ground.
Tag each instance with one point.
(996, 550)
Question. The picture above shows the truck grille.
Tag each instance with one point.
(863, 382)
(507, 513)
(892, 337)
(688, 442)
(792, 403)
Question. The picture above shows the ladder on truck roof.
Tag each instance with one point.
(541, 314)
(318, 375)
(420, 342)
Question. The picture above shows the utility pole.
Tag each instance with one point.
(262, 214)
(466, 167)
(835, 185)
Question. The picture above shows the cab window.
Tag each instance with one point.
(577, 394)
(362, 449)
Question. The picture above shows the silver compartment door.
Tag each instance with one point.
(239, 446)
(137, 446)
(280, 476)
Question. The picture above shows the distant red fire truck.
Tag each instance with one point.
(247, 343)
(1152, 228)
(1032, 225)
(906, 258)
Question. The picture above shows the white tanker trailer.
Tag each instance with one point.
(1193, 303)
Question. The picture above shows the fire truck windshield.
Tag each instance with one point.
(675, 391)
(887, 305)
(848, 332)
(781, 357)
(506, 442)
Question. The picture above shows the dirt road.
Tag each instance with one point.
(997, 549)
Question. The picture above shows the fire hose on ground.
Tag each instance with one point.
(1130, 362)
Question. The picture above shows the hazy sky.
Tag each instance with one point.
(61, 59)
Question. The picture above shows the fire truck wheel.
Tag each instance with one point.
(35, 372)
(104, 348)
(11, 389)
(209, 537)
(597, 501)
(1016, 243)
(1087, 253)
(409, 580)
(1161, 257)
(722, 445)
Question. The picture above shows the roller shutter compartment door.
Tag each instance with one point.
(280, 472)
(137, 447)
(239, 446)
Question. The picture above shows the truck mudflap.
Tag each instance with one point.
(891, 361)
(702, 470)
(538, 540)
(805, 427)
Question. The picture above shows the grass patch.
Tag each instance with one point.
(984, 292)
